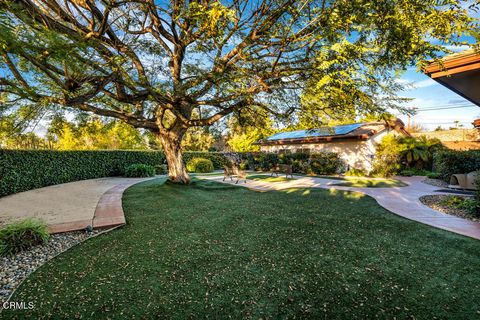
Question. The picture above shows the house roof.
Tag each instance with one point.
(348, 132)
(459, 72)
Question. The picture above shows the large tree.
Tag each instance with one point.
(167, 66)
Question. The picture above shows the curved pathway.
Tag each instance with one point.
(71, 206)
(403, 201)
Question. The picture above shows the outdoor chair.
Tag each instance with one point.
(282, 168)
(234, 171)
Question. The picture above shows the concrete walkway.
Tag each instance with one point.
(403, 201)
(70, 206)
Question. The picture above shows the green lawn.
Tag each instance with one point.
(362, 182)
(215, 173)
(269, 178)
(370, 183)
(213, 250)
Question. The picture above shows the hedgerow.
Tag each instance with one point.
(22, 170)
(451, 162)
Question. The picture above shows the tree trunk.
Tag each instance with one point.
(171, 142)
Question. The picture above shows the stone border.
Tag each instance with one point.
(59, 253)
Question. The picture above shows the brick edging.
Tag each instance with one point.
(108, 212)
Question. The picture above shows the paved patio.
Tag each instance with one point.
(70, 206)
(403, 201)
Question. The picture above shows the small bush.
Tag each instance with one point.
(433, 175)
(22, 235)
(217, 158)
(395, 154)
(161, 169)
(476, 208)
(414, 172)
(355, 173)
(200, 165)
(139, 170)
(461, 203)
(450, 162)
(324, 163)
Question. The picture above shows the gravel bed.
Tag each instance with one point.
(434, 202)
(14, 269)
(435, 182)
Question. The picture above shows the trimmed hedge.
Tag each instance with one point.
(450, 162)
(22, 170)
(318, 163)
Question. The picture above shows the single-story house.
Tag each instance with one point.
(354, 143)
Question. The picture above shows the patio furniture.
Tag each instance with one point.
(231, 171)
(282, 168)
(463, 181)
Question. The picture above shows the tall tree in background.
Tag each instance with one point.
(198, 139)
(246, 128)
(91, 133)
(167, 66)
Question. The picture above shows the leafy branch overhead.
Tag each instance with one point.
(167, 66)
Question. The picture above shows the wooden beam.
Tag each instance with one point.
(464, 68)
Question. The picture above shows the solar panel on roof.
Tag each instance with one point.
(319, 132)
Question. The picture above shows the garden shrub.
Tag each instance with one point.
(319, 163)
(457, 202)
(414, 172)
(139, 170)
(19, 236)
(450, 162)
(22, 170)
(200, 165)
(324, 163)
(161, 169)
(217, 158)
(433, 175)
(395, 154)
(355, 173)
(476, 208)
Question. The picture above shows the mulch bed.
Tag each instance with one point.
(434, 202)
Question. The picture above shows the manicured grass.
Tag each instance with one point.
(215, 173)
(268, 178)
(213, 250)
(371, 183)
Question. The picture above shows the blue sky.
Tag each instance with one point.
(428, 93)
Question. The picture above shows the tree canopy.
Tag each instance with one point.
(167, 66)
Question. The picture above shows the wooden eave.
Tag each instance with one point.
(455, 64)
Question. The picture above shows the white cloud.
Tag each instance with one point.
(412, 85)
(424, 83)
(457, 48)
